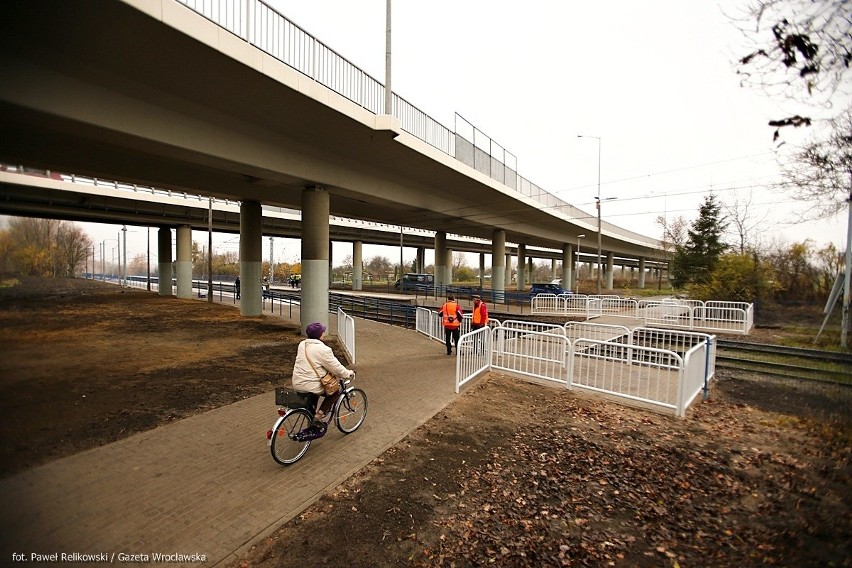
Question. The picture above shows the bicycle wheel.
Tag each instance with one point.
(350, 411)
(285, 446)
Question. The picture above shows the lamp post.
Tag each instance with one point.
(577, 276)
(598, 204)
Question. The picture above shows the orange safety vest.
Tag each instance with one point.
(449, 310)
(480, 314)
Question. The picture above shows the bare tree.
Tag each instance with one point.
(46, 247)
(72, 247)
(821, 172)
(802, 50)
(674, 231)
(744, 221)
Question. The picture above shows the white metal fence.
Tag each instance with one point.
(663, 369)
(695, 315)
(543, 355)
(474, 358)
(599, 331)
(346, 333)
(566, 305)
(711, 316)
(429, 323)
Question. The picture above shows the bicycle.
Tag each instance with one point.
(295, 429)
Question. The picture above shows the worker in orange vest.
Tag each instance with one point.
(451, 317)
(480, 313)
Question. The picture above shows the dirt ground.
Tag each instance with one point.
(512, 474)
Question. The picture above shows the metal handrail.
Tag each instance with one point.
(264, 27)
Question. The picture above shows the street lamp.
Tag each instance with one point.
(577, 274)
(598, 204)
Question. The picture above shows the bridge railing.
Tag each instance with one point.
(265, 28)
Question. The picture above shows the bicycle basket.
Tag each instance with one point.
(291, 399)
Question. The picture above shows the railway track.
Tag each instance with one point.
(789, 362)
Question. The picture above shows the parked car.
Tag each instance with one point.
(412, 281)
(547, 288)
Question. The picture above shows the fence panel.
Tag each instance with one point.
(619, 307)
(698, 366)
(642, 374)
(428, 322)
(346, 333)
(547, 304)
(668, 314)
(531, 353)
(473, 355)
(727, 319)
(598, 331)
(698, 351)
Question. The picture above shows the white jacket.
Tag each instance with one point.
(323, 359)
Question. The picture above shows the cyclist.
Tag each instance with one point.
(314, 359)
(451, 318)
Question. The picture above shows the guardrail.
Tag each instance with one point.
(543, 355)
(262, 26)
(429, 323)
(694, 315)
(663, 369)
(712, 316)
(376, 309)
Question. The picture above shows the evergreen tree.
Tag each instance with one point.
(694, 261)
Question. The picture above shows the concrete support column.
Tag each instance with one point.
(421, 260)
(610, 258)
(567, 263)
(164, 263)
(481, 270)
(441, 259)
(357, 266)
(553, 269)
(522, 256)
(315, 239)
(251, 259)
(641, 272)
(184, 261)
(508, 281)
(498, 265)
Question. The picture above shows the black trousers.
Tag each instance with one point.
(451, 337)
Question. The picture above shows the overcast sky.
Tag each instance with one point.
(653, 79)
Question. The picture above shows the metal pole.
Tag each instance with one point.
(124, 229)
(846, 288)
(149, 259)
(271, 263)
(388, 91)
(600, 267)
(210, 250)
(598, 205)
(577, 275)
(118, 254)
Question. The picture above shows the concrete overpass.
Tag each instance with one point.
(46, 194)
(152, 93)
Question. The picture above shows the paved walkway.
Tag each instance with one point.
(207, 485)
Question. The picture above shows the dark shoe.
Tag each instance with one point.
(449, 352)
